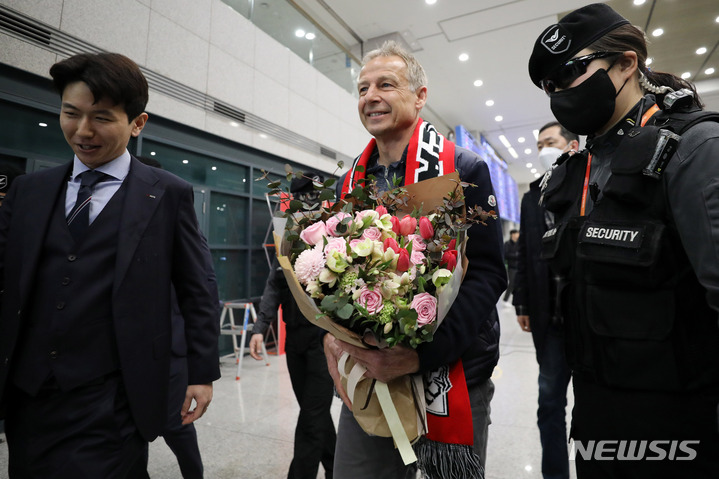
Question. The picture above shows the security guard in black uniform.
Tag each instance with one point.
(637, 245)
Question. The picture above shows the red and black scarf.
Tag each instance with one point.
(429, 155)
(446, 450)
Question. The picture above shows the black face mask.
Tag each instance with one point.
(588, 106)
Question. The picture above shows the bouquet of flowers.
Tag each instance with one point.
(388, 263)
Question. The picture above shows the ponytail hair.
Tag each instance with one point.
(628, 37)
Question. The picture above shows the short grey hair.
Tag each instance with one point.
(416, 76)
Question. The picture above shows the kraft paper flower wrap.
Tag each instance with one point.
(387, 264)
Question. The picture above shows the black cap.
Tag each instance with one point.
(560, 42)
(304, 184)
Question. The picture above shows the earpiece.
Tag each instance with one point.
(651, 87)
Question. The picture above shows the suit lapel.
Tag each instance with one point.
(42, 198)
(142, 197)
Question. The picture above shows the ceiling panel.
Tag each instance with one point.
(498, 36)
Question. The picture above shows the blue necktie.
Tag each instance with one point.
(79, 218)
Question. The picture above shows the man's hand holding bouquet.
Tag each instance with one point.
(379, 270)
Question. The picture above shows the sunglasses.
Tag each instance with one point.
(563, 76)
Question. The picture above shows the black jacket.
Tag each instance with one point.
(301, 334)
(532, 295)
(642, 272)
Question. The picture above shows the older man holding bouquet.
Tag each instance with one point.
(458, 362)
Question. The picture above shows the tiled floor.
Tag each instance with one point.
(248, 431)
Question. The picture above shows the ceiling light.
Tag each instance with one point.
(716, 19)
(42, 125)
(658, 32)
(185, 161)
(686, 75)
(299, 33)
(537, 175)
(521, 139)
(504, 141)
(649, 61)
(234, 123)
(701, 51)
(430, 2)
(478, 83)
(498, 118)
(639, 2)
(214, 168)
(152, 153)
(536, 134)
(528, 151)
(709, 71)
(463, 57)
(489, 102)
(513, 153)
(529, 165)
(533, 170)
(310, 36)
(263, 136)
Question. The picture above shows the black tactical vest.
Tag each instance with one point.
(636, 315)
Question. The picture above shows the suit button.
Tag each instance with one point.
(53, 354)
(65, 281)
(71, 257)
(60, 305)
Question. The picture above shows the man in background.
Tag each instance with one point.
(534, 302)
(511, 254)
(315, 434)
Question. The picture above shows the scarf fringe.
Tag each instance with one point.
(438, 460)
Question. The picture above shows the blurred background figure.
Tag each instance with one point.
(534, 292)
(314, 389)
(511, 254)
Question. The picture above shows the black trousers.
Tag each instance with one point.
(669, 435)
(85, 433)
(315, 434)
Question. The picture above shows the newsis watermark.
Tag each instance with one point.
(634, 450)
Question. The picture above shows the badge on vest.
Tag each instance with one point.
(614, 235)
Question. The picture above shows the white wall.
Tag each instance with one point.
(206, 45)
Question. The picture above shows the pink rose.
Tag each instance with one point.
(372, 233)
(354, 243)
(407, 225)
(309, 265)
(313, 234)
(426, 230)
(416, 257)
(336, 244)
(381, 210)
(426, 306)
(417, 243)
(333, 221)
(371, 300)
(403, 261)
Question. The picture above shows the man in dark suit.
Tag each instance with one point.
(534, 293)
(88, 254)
